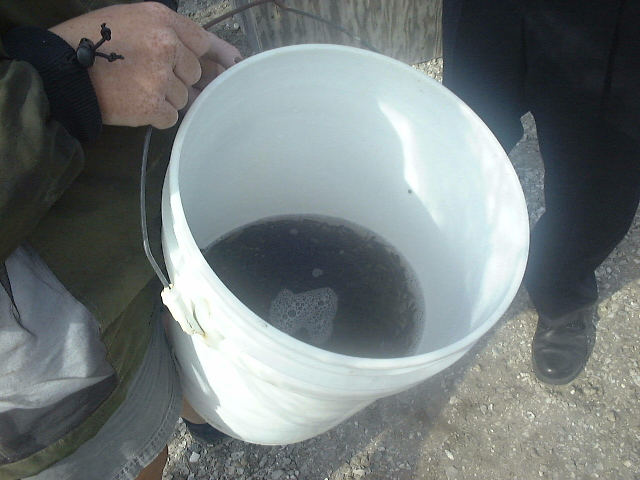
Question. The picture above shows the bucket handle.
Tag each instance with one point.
(143, 210)
(281, 6)
(180, 312)
(170, 297)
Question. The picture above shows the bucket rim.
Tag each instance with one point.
(271, 336)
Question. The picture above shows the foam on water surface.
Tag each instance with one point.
(312, 311)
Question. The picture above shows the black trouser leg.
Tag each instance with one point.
(592, 188)
(503, 59)
(484, 62)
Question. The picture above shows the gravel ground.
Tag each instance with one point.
(486, 417)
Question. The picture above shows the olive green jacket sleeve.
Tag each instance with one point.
(38, 157)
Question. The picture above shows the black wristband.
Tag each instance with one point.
(72, 99)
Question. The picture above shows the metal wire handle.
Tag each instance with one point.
(280, 5)
(143, 210)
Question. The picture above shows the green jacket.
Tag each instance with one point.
(78, 206)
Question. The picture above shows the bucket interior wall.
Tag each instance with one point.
(378, 145)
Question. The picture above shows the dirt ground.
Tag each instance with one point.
(486, 417)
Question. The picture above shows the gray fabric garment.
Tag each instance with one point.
(53, 367)
(138, 430)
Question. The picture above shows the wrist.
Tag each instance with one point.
(72, 99)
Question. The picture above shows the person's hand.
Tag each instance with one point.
(217, 59)
(161, 69)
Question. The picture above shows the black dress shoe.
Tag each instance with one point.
(559, 354)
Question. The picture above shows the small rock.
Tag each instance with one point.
(451, 473)
(236, 456)
(277, 474)
(195, 456)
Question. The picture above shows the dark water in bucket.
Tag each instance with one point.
(324, 281)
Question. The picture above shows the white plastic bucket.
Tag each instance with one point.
(340, 132)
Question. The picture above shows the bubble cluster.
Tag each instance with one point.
(312, 311)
